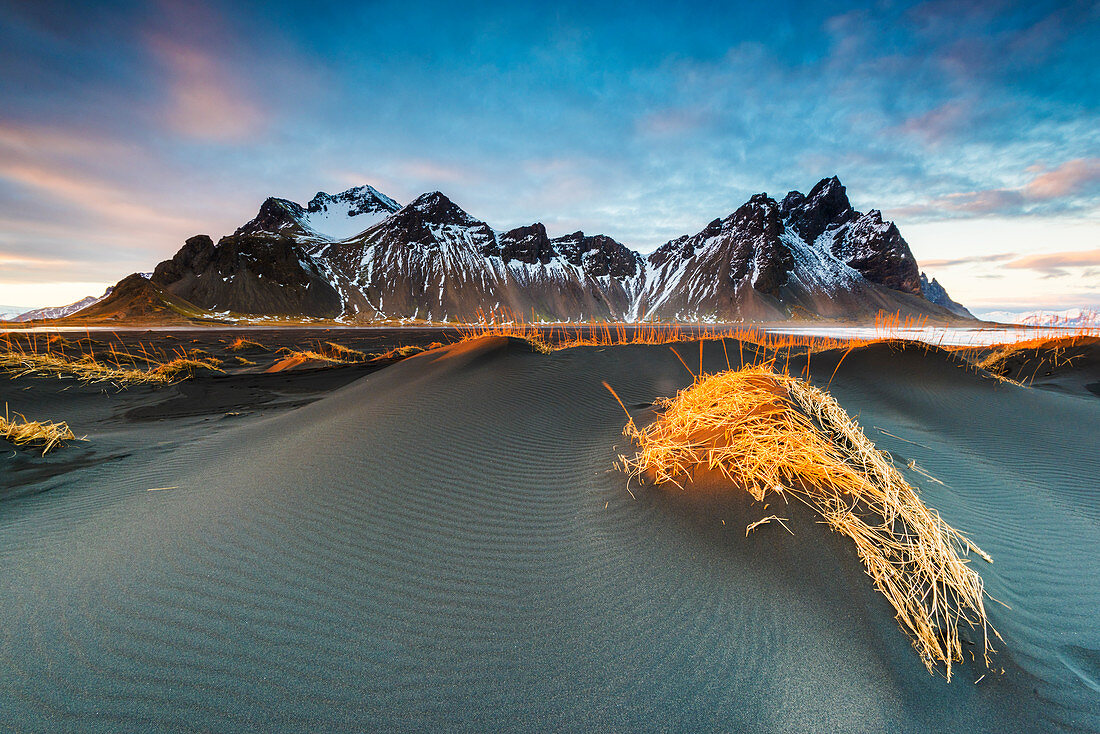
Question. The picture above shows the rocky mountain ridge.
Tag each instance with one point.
(360, 257)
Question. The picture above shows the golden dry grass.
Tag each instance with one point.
(116, 368)
(45, 434)
(553, 337)
(407, 351)
(341, 352)
(313, 355)
(182, 367)
(241, 344)
(771, 433)
(1022, 362)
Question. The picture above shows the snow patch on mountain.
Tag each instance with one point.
(57, 312)
(1070, 317)
(344, 215)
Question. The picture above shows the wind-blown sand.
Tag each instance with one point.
(443, 544)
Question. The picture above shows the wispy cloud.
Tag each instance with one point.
(1055, 188)
(969, 260)
(1070, 178)
(1055, 264)
(940, 124)
(97, 197)
(205, 101)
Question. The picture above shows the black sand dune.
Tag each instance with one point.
(441, 544)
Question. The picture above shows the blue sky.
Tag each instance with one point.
(126, 127)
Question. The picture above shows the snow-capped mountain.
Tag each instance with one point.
(327, 217)
(8, 313)
(810, 256)
(1072, 317)
(361, 257)
(57, 312)
(432, 260)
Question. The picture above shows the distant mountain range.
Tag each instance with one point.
(58, 312)
(360, 257)
(8, 313)
(1073, 318)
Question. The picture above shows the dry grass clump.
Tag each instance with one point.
(333, 353)
(406, 351)
(343, 353)
(47, 434)
(114, 367)
(53, 364)
(183, 367)
(309, 355)
(1021, 362)
(240, 344)
(330, 352)
(770, 432)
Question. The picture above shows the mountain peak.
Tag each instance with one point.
(826, 205)
(275, 215)
(436, 208)
(937, 294)
(356, 200)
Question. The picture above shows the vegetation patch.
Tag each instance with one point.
(770, 433)
(46, 435)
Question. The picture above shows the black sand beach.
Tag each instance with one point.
(442, 543)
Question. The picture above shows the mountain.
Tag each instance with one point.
(808, 256)
(9, 313)
(432, 260)
(360, 257)
(936, 293)
(137, 299)
(57, 312)
(1073, 318)
(250, 272)
(327, 217)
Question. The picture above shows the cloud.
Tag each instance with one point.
(1054, 265)
(1066, 187)
(94, 196)
(1068, 179)
(672, 122)
(940, 123)
(23, 260)
(975, 259)
(205, 101)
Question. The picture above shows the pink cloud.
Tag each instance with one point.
(670, 123)
(973, 260)
(1071, 178)
(433, 171)
(1055, 261)
(1067, 179)
(34, 141)
(92, 195)
(205, 100)
(940, 123)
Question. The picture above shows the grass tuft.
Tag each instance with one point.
(240, 344)
(46, 434)
(184, 367)
(771, 433)
(339, 351)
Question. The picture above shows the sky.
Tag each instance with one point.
(127, 127)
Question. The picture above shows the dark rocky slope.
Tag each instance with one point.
(361, 257)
